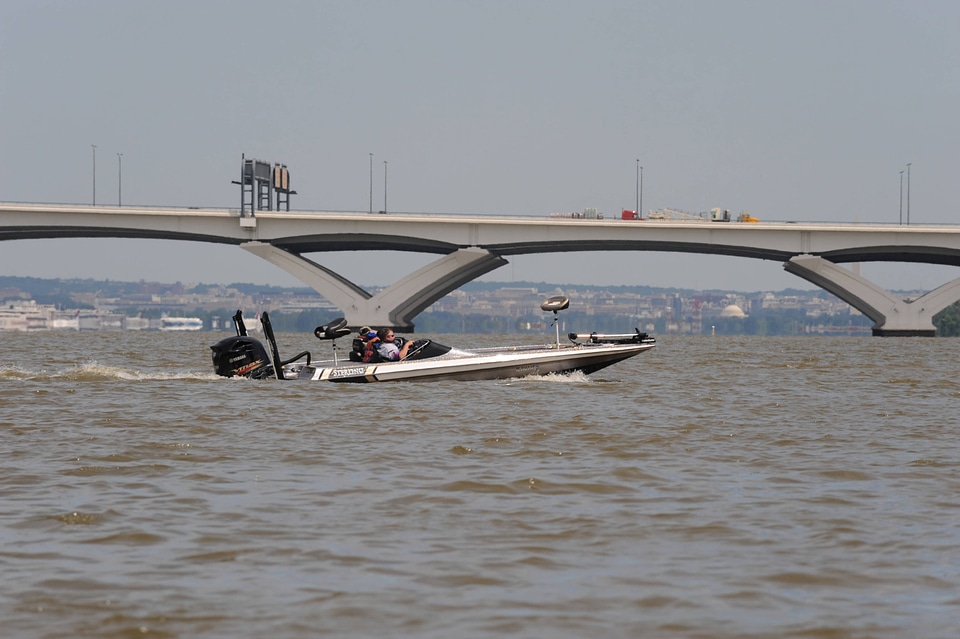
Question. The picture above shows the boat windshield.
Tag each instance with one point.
(425, 349)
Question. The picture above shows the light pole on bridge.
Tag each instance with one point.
(119, 179)
(94, 147)
(908, 193)
(371, 182)
(638, 187)
(384, 186)
(901, 198)
(639, 211)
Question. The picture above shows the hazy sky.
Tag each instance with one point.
(789, 110)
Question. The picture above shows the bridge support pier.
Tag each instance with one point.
(892, 317)
(395, 306)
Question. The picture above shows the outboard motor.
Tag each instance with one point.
(241, 356)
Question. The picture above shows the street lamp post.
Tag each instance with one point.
(901, 198)
(640, 204)
(638, 187)
(371, 182)
(908, 193)
(94, 147)
(384, 186)
(119, 179)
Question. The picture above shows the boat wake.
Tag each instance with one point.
(95, 372)
(573, 377)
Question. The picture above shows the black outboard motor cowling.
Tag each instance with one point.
(241, 357)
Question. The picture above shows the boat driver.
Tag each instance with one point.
(387, 348)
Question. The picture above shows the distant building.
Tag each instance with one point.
(732, 310)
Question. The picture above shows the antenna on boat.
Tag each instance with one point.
(556, 304)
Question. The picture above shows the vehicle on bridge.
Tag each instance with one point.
(674, 215)
(586, 214)
(719, 215)
(427, 360)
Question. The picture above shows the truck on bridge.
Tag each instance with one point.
(674, 215)
(587, 214)
(723, 215)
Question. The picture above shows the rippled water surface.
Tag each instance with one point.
(713, 487)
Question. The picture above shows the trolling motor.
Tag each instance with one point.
(244, 356)
(556, 304)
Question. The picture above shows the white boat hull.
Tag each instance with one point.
(494, 363)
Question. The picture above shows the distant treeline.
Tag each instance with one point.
(59, 291)
(772, 322)
(764, 322)
(55, 291)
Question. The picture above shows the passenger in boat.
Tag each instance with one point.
(387, 348)
(368, 345)
(359, 344)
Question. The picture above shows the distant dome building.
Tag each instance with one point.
(732, 311)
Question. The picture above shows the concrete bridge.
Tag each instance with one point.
(471, 246)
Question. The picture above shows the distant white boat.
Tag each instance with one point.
(25, 315)
(138, 323)
(68, 321)
(181, 324)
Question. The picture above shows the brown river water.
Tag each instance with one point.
(713, 487)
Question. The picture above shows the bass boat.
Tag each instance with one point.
(245, 356)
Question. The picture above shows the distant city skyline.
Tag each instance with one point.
(818, 111)
(117, 305)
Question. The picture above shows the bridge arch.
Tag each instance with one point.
(470, 246)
